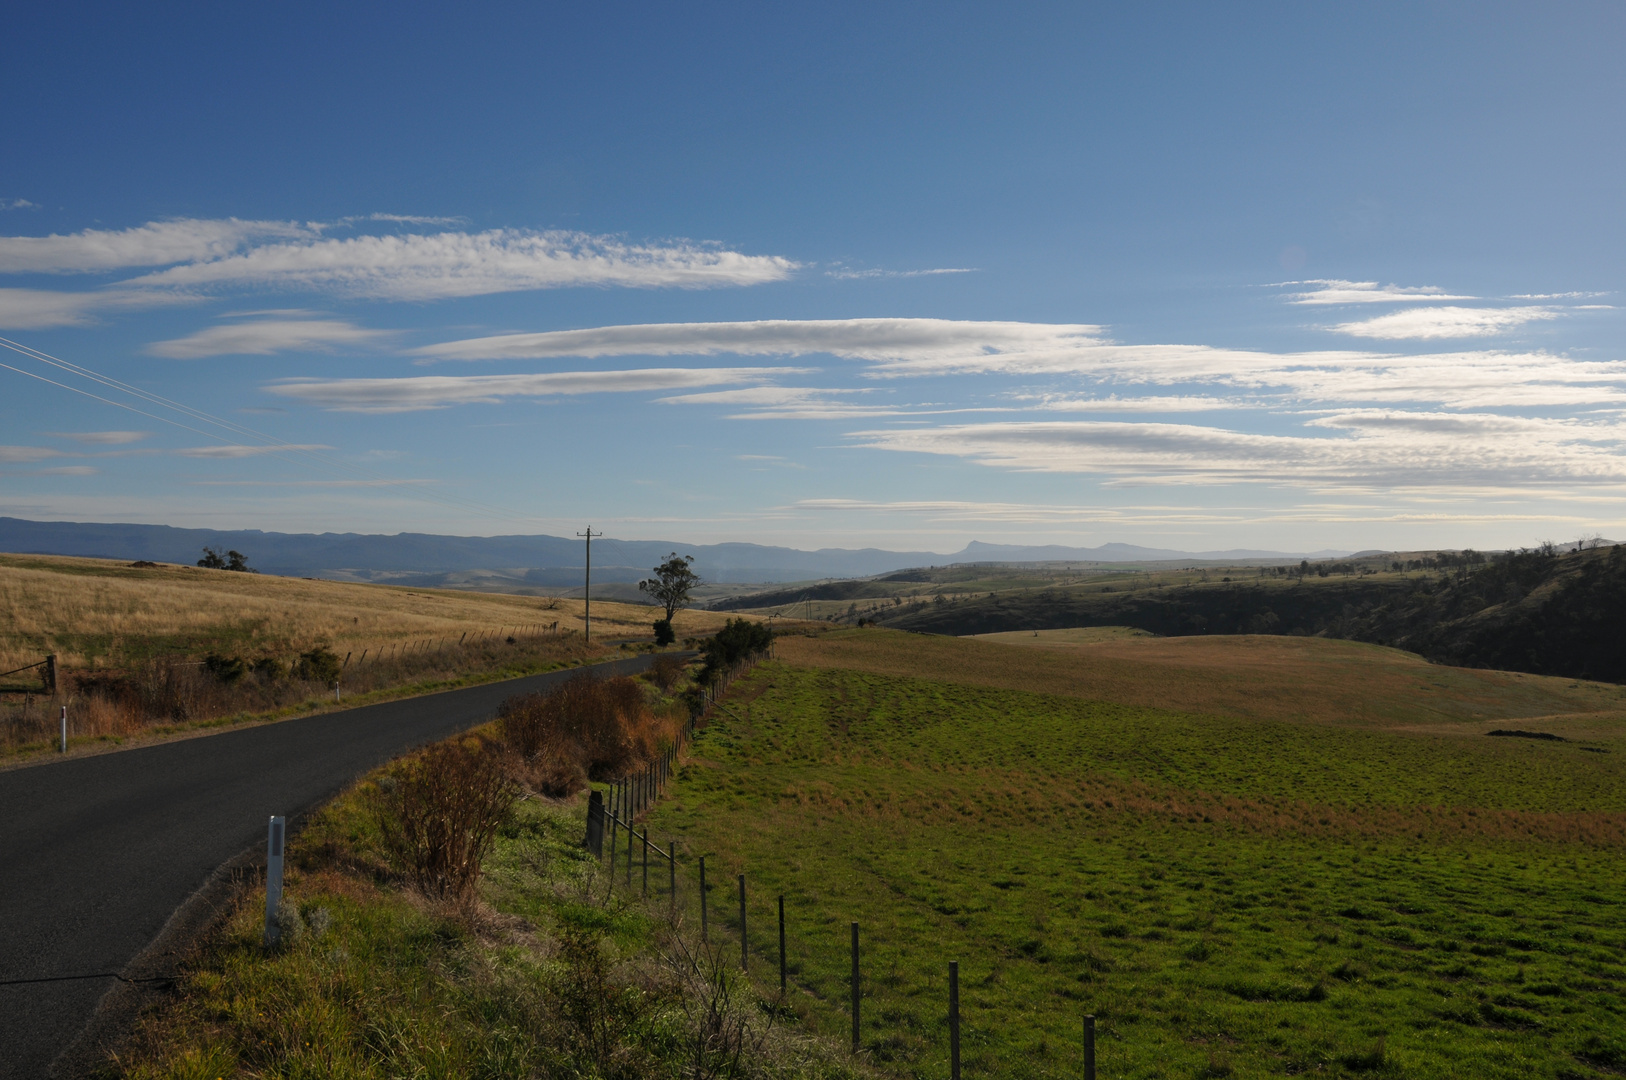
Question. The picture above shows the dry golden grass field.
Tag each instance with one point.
(96, 613)
(156, 650)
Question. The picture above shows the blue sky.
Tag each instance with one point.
(1186, 275)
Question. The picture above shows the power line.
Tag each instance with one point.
(278, 448)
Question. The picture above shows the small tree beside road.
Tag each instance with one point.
(670, 588)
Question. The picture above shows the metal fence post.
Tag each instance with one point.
(1089, 1047)
(954, 1019)
(703, 939)
(671, 872)
(743, 966)
(646, 862)
(273, 879)
(64, 729)
(855, 988)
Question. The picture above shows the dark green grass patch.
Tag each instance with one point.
(1231, 895)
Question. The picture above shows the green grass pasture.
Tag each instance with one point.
(1230, 896)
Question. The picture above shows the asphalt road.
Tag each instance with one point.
(96, 853)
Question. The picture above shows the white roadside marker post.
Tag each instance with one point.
(273, 880)
(64, 729)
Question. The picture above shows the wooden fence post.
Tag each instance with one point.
(1089, 1047)
(781, 944)
(50, 674)
(595, 824)
(703, 939)
(855, 988)
(743, 966)
(954, 1019)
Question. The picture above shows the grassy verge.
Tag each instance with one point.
(31, 738)
(1229, 895)
(546, 974)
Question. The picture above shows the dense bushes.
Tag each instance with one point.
(738, 640)
(586, 728)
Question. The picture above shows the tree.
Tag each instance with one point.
(232, 560)
(670, 587)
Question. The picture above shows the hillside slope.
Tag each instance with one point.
(1541, 611)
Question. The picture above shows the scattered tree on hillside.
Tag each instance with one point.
(738, 640)
(670, 587)
(232, 560)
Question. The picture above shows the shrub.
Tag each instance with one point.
(228, 669)
(665, 672)
(269, 668)
(441, 814)
(319, 665)
(586, 727)
(737, 640)
(664, 634)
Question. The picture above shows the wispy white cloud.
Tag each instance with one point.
(22, 455)
(1160, 404)
(413, 219)
(786, 403)
(848, 274)
(158, 243)
(68, 470)
(452, 264)
(945, 511)
(1446, 322)
(915, 347)
(265, 337)
(965, 510)
(440, 391)
(100, 438)
(17, 204)
(1336, 291)
(940, 344)
(236, 451)
(44, 309)
(1364, 448)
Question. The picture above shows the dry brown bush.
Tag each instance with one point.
(665, 672)
(439, 812)
(587, 728)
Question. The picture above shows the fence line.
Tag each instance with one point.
(47, 684)
(631, 796)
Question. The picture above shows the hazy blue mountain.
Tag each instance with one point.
(977, 551)
(537, 560)
(540, 560)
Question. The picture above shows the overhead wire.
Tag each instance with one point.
(277, 448)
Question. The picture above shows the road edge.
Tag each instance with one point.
(152, 974)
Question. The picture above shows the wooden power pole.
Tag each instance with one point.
(588, 590)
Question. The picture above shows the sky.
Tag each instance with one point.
(1198, 276)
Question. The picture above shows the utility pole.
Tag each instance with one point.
(589, 587)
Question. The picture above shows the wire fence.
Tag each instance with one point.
(616, 811)
(47, 678)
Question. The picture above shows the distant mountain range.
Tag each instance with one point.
(425, 559)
